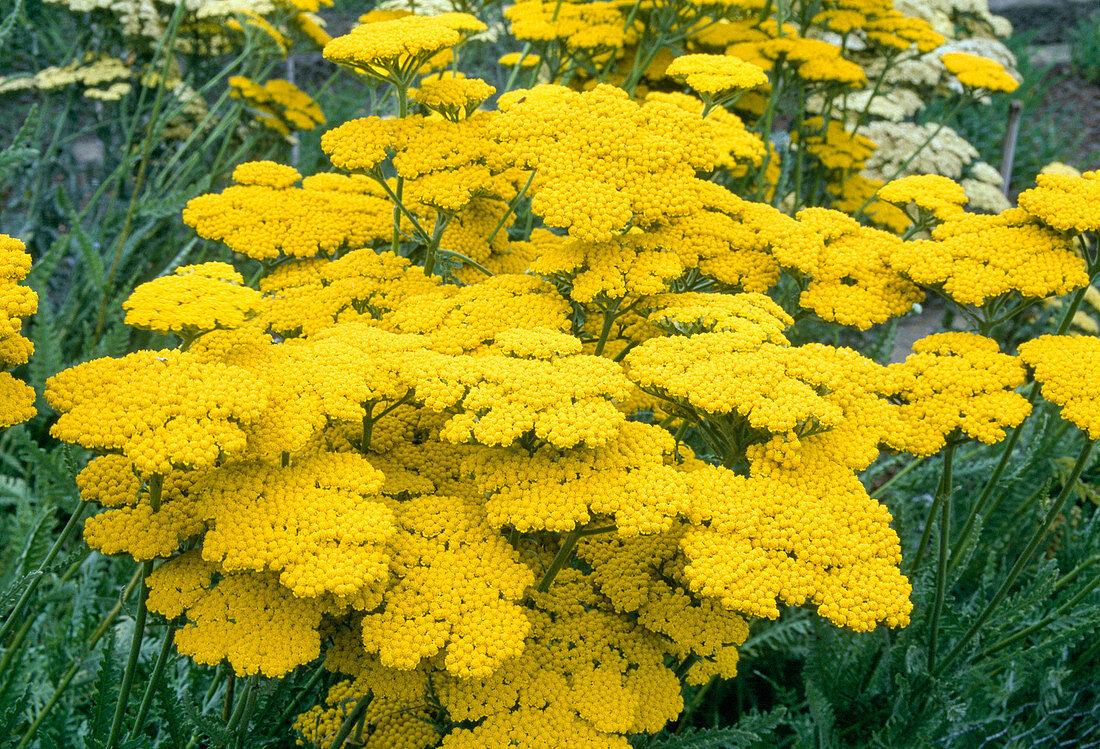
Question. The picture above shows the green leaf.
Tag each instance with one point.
(755, 729)
(212, 728)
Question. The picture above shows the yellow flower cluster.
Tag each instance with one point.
(603, 164)
(713, 75)
(16, 302)
(246, 618)
(1065, 202)
(159, 408)
(956, 382)
(308, 296)
(585, 26)
(738, 148)
(454, 98)
(468, 319)
(281, 105)
(265, 215)
(796, 536)
(399, 47)
(458, 589)
(939, 196)
(194, 299)
(979, 72)
(518, 395)
(754, 317)
(629, 479)
(849, 279)
(1066, 368)
(836, 147)
(974, 258)
(815, 61)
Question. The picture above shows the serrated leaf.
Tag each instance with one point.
(212, 728)
(48, 359)
(107, 684)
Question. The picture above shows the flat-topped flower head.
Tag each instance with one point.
(795, 536)
(16, 302)
(278, 104)
(955, 381)
(1065, 202)
(456, 591)
(630, 481)
(454, 98)
(713, 75)
(722, 374)
(850, 277)
(266, 216)
(388, 46)
(588, 181)
(1066, 367)
(974, 258)
(162, 409)
(267, 174)
(319, 522)
(16, 401)
(974, 71)
(308, 296)
(940, 196)
(516, 397)
(752, 315)
(194, 299)
(245, 618)
(468, 319)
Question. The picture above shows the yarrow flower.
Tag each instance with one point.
(713, 75)
(974, 258)
(194, 299)
(16, 302)
(956, 381)
(978, 72)
(940, 196)
(1065, 367)
(1065, 202)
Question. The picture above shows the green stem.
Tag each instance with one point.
(131, 663)
(945, 541)
(1010, 444)
(368, 428)
(289, 711)
(927, 533)
(685, 666)
(230, 687)
(252, 694)
(158, 671)
(1025, 558)
(398, 205)
(512, 205)
(431, 254)
(350, 721)
(40, 573)
(1075, 573)
(609, 316)
(402, 112)
(68, 677)
(1045, 621)
(560, 559)
(139, 180)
